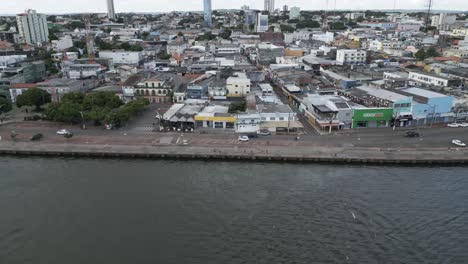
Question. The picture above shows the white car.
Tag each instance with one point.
(453, 125)
(463, 125)
(63, 132)
(458, 143)
(243, 138)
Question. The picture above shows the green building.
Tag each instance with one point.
(372, 117)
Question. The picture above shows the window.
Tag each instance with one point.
(146, 84)
(152, 85)
(159, 91)
(153, 93)
(219, 125)
(281, 118)
(361, 124)
(272, 119)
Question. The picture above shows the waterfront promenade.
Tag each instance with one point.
(360, 146)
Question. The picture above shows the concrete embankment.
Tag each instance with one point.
(323, 154)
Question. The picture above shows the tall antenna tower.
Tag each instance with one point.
(429, 9)
(89, 40)
(325, 19)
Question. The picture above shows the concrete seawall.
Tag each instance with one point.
(270, 154)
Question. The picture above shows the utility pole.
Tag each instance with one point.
(429, 7)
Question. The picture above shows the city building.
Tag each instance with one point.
(250, 17)
(426, 78)
(245, 7)
(294, 12)
(122, 57)
(430, 107)
(372, 117)
(443, 21)
(285, 8)
(62, 43)
(32, 27)
(238, 85)
(270, 6)
(351, 56)
(262, 23)
(110, 9)
(207, 13)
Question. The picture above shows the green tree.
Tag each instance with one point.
(432, 52)
(101, 99)
(97, 115)
(226, 34)
(33, 97)
(286, 28)
(5, 105)
(69, 112)
(75, 98)
(420, 55)
(237, 107)
(164, 56)
(308, 24)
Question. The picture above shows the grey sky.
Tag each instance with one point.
(74, 6)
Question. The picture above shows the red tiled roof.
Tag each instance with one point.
(22, 85)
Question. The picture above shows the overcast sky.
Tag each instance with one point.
(75, 6)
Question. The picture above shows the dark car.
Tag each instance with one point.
(412, 134)
(252, 135)
(37, 137)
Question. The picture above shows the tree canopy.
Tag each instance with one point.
(33, 97)
(5, 105)
(100, 107)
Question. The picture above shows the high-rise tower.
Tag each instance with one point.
(270, 6)
(110, 9)
(207, 12)
(32, 27)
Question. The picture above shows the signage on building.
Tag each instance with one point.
(373, 115)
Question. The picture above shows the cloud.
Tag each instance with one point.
(56, 6)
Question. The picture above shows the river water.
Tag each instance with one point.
(141, 211)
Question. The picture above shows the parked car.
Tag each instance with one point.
(252, 135)
(463, 124)
(36, 137)
(453, 125)
(63, 132)
(458, 143)
(243, 138)
(264, 132)
(412, 134)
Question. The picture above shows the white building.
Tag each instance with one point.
(294, 12)
(122, 57)
(262, 23)
(239, 85)
(355, 15)
(32, 27)
(295, 36)
(62, 43)
(443, 20)
(326, 37)
(270, 6)
(429, 79)
(110, 9)
(351, 56)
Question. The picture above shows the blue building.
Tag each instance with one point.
(207, 13)
(198, 88)
(430, 107)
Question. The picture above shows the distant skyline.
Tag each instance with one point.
(100, 6)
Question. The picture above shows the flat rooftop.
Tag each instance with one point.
(382, 93)
(423, 92)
